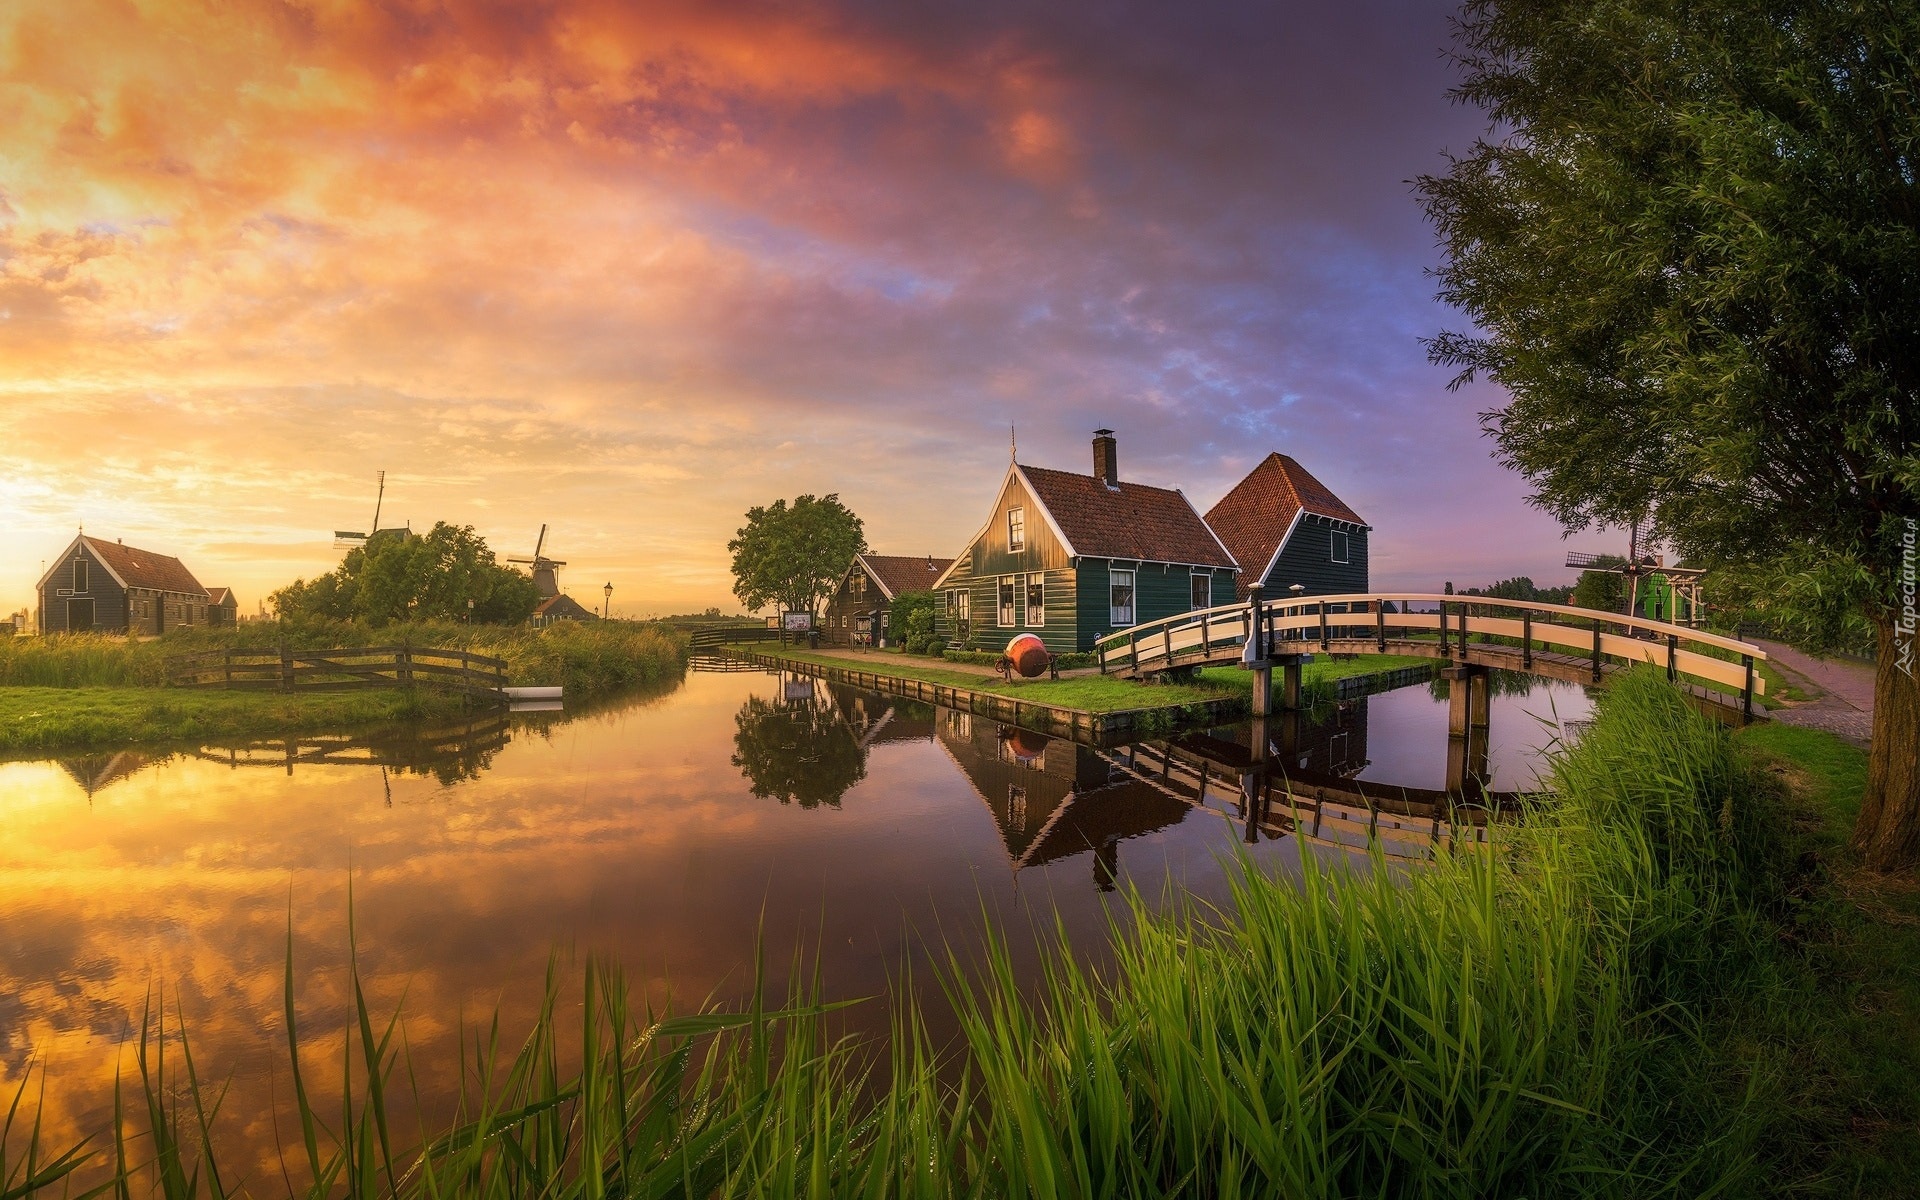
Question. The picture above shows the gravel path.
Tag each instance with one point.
(1842, 691)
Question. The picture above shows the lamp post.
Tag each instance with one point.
(469, 610)
(608, 607)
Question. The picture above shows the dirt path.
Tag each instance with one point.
(1842, 691)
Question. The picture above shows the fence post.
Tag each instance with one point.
(1526, 637)
(226, 662)
(1133, 648)
(1746, 697)
(1596, 652)
(1206, 641)
(1380, 623)
(1673, 658)
(1322, 606)
(403, 660)
(286, 674)
(1444, 652)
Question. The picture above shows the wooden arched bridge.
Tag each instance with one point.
(1471, 633)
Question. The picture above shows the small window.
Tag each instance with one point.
(952, 605)
(1122, 597)
(1006, 600)
(966, 603)
(1036, 600)
(1016, 528)
(79, 574)
(1203, 589)
(1339, 546)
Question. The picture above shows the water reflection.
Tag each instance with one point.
(798, 748)
(639, 833)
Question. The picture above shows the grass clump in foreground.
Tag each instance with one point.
(1534, 1019)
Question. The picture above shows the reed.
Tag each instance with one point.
(1532, 1018)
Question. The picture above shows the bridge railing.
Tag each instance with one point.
(1441, 622)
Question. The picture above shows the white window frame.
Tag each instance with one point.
(1006, 601)
(1017, 528)
(1133, 597)
(1341, 548)
(1036, 615)
(1194, 578)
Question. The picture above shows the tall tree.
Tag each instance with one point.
(402, 576)
(793, 555)
(1690, 245)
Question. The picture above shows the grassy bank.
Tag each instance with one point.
(34, 719)
(1088, 693)
(1579, 1010)
(90, 691)
(588, 658)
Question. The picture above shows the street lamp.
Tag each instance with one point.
(608, 591)
(469, 610)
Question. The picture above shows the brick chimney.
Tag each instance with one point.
(1106, 458)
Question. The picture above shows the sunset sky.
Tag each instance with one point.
(630, 268)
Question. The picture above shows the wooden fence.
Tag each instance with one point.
(286, 670)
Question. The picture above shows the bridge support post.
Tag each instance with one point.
(1290, 683)
(1253, 784)
(1468, 721)
(1262, 691)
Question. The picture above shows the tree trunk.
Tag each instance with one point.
(1887, 834)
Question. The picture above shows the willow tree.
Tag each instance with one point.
(1690, 246)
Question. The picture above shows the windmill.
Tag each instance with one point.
(348, 539)
(546, 571)
(1684, 582)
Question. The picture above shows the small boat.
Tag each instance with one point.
(517, 694)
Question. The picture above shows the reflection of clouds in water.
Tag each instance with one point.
(628, 834)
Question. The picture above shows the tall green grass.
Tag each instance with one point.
(587, 658)
(1531, 1018)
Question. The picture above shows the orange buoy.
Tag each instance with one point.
(1028, 654)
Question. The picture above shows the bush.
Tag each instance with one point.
(910, 617)
(983, 658)
(936, 647)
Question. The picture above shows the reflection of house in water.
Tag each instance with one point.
(96, 771)
(875, 718)
(1051, 798)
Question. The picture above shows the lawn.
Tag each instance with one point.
(50, 718)
(1088, 693)
(1852, 1023)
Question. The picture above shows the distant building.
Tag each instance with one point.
(555, 609)
(109, 587)
(1287, 527)
(1071, 558)
(857, 611)
(222, 608)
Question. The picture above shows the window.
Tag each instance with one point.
(1017, 528)
(1121, 583)
(1006, 600)
(79, 574)
(966, 603)
(1339, 546)
(858, 586)
(952, 606)
(1016, 806)
(1203, 589)
(1036, 600)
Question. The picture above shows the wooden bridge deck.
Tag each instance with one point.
(1556, 641)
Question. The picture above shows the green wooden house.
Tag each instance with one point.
(1071, 558)
(1287, 527)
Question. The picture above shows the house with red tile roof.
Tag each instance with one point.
(856, 613)
(111, 587)
(1070, 558)
(1286, 527)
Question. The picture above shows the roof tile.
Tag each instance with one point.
(1128, 521)
(905, 572)
(145, 569)
(1253, 517)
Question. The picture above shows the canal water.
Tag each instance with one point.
(663, 834)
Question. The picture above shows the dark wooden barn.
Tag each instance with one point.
(1287, 527)
(555, 609)
(857, 611)
(222, 608)
(109, 587)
